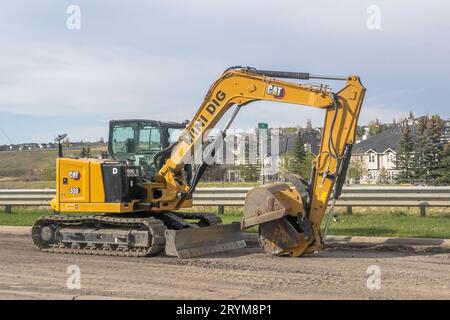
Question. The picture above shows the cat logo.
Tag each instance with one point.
(276, 91)
(74, 175)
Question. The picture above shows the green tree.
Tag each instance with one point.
(444, 170)
(309, 127)
(250, 172)
(83, 152)
(360, 131)
(433, 149)
(383, 176)
(405, 154)
(103, 155)
(420, 141)
(293, 161)
(289, 130)
(373, 127)
(356, 170)
(289, 164)
(299, 151)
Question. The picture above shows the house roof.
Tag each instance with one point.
(388, 139)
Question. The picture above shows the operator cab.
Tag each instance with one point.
(138, 141)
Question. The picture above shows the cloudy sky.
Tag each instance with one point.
(156, 59)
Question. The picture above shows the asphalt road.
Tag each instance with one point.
(338, 272)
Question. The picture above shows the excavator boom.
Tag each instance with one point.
(241, 86)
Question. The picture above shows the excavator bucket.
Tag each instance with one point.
(262, 204)
(193, 242)
(279, 212)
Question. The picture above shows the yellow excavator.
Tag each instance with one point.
(131, 204)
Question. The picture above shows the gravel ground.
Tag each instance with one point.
(339, 272)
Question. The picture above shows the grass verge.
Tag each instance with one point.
(380, 224)
(21, 217)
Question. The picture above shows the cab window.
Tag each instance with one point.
(149, 140)
(123, 140)
(174, 133)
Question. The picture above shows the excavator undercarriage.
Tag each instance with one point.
(130, 235)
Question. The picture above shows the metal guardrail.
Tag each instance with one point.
(370, 196)
(25, 197)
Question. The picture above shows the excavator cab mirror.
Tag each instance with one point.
(58, 140)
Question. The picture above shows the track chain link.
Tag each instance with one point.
(155, 227)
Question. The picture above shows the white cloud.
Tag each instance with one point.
(70, 80)
(157, 59)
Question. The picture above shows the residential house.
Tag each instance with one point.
(375, 155)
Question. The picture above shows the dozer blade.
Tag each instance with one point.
(193, 242)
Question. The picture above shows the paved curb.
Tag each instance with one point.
(16, 230)
(253, 238)
(390, 240)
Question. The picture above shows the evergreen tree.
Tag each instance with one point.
(373, 127)
(294, 160)
(420, 141)
(290, 165)
(299, 148)
(103, 155)
(297, 161)
(405, 154)
(444, 170)
(83, 153)
(433, 149)
(309, 127)
(383, 176)
(360, 131)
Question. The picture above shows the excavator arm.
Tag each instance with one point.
(146, 206)
(241, 86)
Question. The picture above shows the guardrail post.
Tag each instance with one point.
(349, 210)
(8, 209)
(221, 209)
(422, 210)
